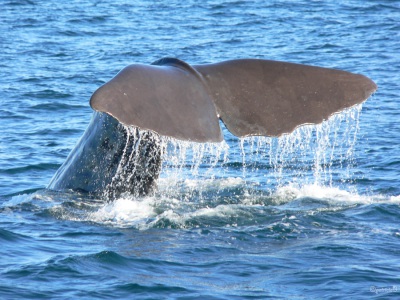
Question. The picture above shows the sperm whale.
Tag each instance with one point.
(120, 151)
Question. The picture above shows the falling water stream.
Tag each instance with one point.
(306, 156)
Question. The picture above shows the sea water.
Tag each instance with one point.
(310, 215)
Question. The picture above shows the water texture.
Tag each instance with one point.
(311, 215)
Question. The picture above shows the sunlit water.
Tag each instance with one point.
(311, 215)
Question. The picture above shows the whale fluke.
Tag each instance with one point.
(271, 98)
(168, 97)
(251, 97)
(172, 98)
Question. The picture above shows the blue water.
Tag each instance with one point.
(314, 215)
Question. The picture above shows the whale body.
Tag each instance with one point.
(111, 159)
(120, 151)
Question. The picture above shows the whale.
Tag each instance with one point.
(120, 152)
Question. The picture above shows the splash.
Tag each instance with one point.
(239, 180)
(231, 211)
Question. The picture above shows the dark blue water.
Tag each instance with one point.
(314, 215)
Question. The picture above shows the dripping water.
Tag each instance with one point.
(139, 164)
(321, 155)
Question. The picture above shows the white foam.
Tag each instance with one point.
(334, 195)
(164, 210)
(395, 199)
(147, 212)
(124, 212)
(42, 198)
(17, 200)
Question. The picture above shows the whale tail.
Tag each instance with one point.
(251, 97)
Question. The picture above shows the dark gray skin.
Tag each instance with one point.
(110, 160)
(172, 98)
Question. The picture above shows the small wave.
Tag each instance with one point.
(47, 94)
(6, 114)
(28, 168)
(21, 2)
(35, 200)
(331, 194)
(52, 106)
(8, 236)
(99, 19)
(17, 200)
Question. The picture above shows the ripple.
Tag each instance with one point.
(29, 168)
(46, 94)
(57, 106)
(9, 236)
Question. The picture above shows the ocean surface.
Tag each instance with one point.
(311, 215)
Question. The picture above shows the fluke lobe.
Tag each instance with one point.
(172, 98)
